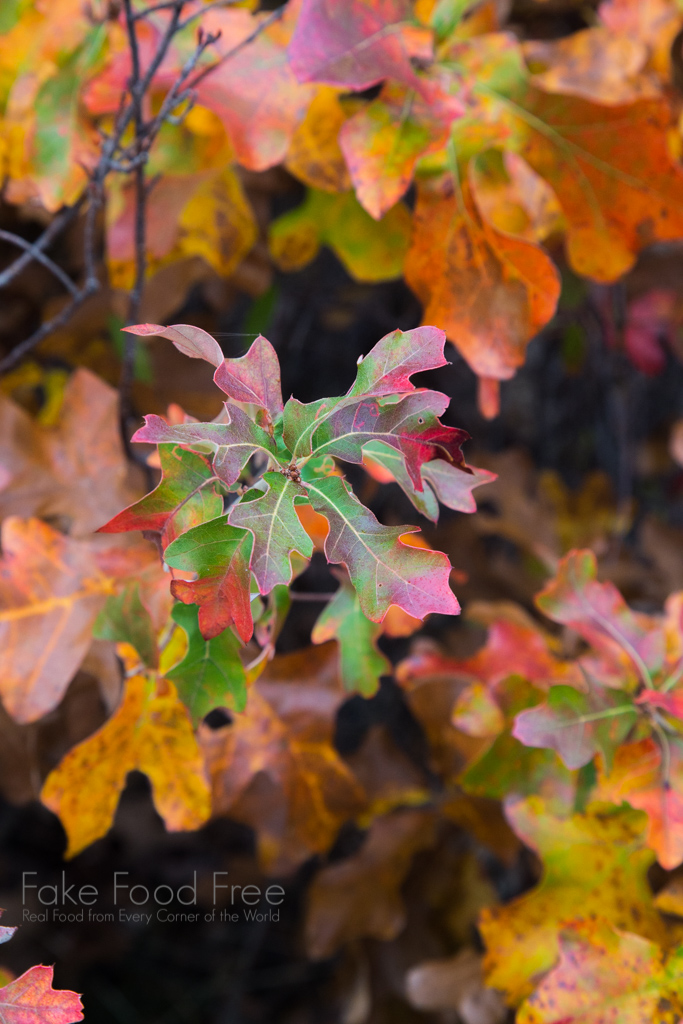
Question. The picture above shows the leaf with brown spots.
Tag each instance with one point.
(606, 976)
(150, 732)
(595, 865)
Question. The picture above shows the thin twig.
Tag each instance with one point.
(115, 156)
(19, 351)
(39, 255)
(135, 299)
(57, 225)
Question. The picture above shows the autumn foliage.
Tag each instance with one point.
(525, 830)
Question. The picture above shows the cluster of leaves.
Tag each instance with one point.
(581, 745)
(240, 505)
(511, 146)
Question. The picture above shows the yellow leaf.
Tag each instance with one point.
(150, 732)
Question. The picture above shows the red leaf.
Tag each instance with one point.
(358, 43)
(254, 92)
(30, 999)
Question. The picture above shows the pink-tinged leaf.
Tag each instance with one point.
(6, 933)
(219, 554)
(515, 649)
(383, 569)
(358, 43)
(453, 485)
(598, 613)
(387, 465)
(606, 976)
(640, 777)
(411, 426)
(102, 93)
(649, 322)
(277, 531)
(191, 341)
(167, 509)
(672, 703)
(31, 999)
(383, 141)
(389, 365)
(254, 377)
(254, 91)
(577, 725)
(232, 444)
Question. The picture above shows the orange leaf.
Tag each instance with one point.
(490, 291)
(76, 469)
(51, 591)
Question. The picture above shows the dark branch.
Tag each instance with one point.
(39, 255)
(47, 328)
(115, 156)
(63, 218)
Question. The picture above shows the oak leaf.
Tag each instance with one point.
(220, 555)
(75, 470)
(315, 156)
(383, 142)
(255, 92)
(631, 643)
(578, 725)
(605, 975)
(594, 863)
(51, 591)
(361, 663)
(369, 250)
(595, 64)
(609, 166)
(275, 527)
(185, 497)
(31, 999)
(492, 291)
(358, 45)
(640, 776)
(231, 444)
(149, 732)
(383, 569)
(360, 896)
(211, 673)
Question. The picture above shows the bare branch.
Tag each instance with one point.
(63, 317)
(39, 255)
(125, 158)
(63, 218)
(178, 92)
